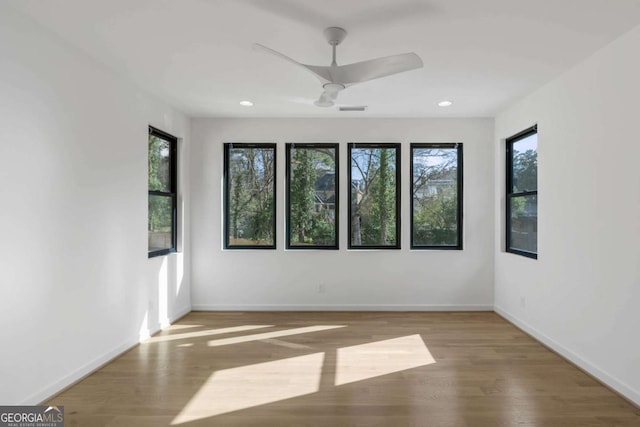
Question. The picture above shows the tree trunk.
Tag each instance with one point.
(357, 238)
(382, 196)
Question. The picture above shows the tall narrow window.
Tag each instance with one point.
(162, 192)
(250, 196)
(374, 194)
(312, 196)
(522, 193)
(436, 196)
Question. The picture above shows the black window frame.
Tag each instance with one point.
(226, 228)
(460, 185)
(398, 149)
(509, 190)
(172, 193)
(305, 145)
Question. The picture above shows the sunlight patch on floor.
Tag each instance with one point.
(247, 386)
(164, 338)
(179, 327)
(286, 344)
(364, 361)
(275, 334)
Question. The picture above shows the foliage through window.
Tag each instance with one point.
(436, 196)
(162, 233)
(312, 196)
(522, 193)
(250, 195)
(374, 194)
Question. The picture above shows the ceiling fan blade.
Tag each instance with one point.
(375, 68)
(321, 73)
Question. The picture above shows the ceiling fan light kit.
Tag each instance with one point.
(335, 78)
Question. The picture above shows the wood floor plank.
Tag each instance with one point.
(375, 369)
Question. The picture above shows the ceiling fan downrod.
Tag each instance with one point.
(335, 36)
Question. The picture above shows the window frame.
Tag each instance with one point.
(398, 210)
(460, 196)
(227, 147)
(172, 193)
(305, 145)
(509, 190)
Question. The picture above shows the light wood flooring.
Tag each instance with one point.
(342, 369)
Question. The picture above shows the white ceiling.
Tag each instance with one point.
(197, 54)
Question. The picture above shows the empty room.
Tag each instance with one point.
(320, 213)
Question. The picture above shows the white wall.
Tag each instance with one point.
(582, 295)
(373, 279)
(77, 287)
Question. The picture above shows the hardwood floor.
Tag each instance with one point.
(342, 369)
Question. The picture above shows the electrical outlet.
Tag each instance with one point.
(321, 288)
(523, 302)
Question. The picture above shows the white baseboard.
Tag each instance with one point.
(92, 366)
(616, 384)
(341, 307)
(78, 374)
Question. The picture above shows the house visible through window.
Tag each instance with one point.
(250, 196)
(162, 192)
(436, 196)
(312, 196)
(374, 199)
(522, 193)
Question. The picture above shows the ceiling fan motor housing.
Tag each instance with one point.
(333, 87)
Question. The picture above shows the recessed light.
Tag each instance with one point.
(445, 103)
(246, 103)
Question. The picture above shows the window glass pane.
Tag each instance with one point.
(160, 222)
(162, 193)
(525, 164)
(312, 196)
(251, 202)
(373, 197)
(524, 223)
(159, 164)
(435, 196)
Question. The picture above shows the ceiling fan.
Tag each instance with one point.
(335, 78)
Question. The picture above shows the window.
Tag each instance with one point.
(522, 193)
(312, 196)
(162, 192)
(374, 194)
(250, 196)
(436, 196)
